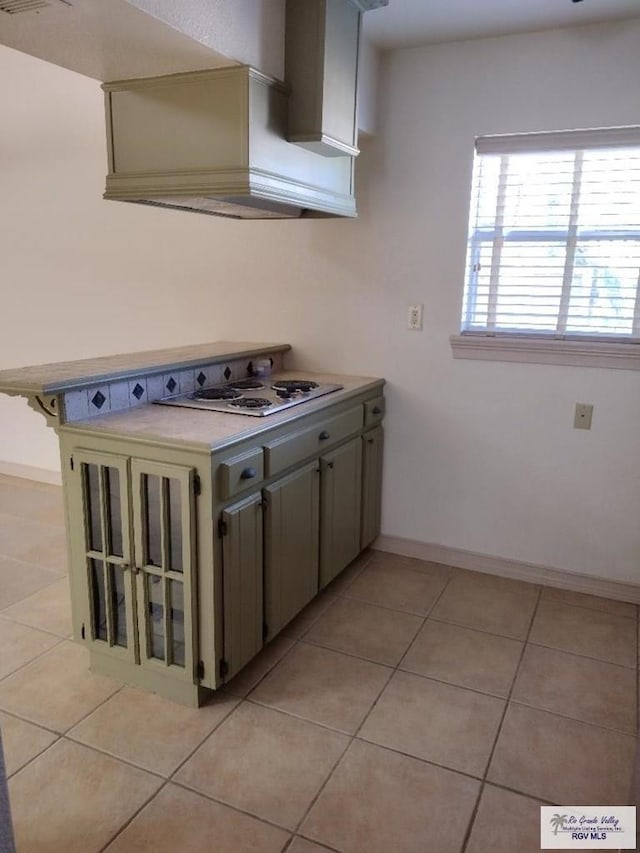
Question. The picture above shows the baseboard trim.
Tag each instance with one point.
(560, 578)
(30, 472)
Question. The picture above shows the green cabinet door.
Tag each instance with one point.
(340, 508)
(101, 554)
(291, 545)
(163, 500)
(242, 582)
(372, 446)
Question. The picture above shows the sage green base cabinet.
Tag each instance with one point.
(340, 513)
(185, 560)
(242, 557)
(372, 447)
(292, 514)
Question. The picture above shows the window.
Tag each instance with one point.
(554, 238)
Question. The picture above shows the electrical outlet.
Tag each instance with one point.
(415, 318)
(583, 415)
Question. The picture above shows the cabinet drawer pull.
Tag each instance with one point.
(324, 435)
(376, 410)
(370, 440)
(248, 474)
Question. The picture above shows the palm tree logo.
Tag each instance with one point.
(558, 822)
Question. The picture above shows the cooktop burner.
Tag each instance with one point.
(251, 403)
(226, 393)
(246, 385)
(301, 386)
(253, 396)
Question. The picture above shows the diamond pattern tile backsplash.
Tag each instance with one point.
(122, 394)
(98, 400)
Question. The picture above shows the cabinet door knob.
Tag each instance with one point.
(370, 440)
(376, 410)
(248, 474)
(324, 435)
(329, 464)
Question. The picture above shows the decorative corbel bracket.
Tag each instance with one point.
(47, 406)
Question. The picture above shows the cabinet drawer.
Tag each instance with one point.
(290, 449)
(373, 411)
(240, 472)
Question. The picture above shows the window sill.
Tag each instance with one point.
(531, 351)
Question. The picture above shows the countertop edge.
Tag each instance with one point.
(19, 387)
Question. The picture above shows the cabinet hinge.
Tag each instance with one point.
(71, 462)
(224, 668)
(222, 528)
(197, 484)
(265, 630)
(82, 631)
(200, 669)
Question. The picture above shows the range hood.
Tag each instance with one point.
(235, 142)
(215, 142)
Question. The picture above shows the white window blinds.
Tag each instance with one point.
(554, 236)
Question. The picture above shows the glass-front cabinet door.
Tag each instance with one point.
(164, 559)
(107, 552)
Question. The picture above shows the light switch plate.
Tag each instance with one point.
(584, 413)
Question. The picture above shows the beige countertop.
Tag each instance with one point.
(214, 430)
(48, 379)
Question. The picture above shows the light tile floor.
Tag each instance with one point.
(411, 708)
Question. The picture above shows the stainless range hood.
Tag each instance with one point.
(215, 142)
(234, 142)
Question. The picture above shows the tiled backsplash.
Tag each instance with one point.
(125, 394)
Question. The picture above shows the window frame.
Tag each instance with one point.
(547, 347)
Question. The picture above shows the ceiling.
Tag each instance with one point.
(121, 39)
(408, 23)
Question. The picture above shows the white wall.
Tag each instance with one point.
(250, 31)
(480, 456)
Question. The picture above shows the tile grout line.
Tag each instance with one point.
(171, 778)
(242, 697)
(532, 642)
(134, 815)
(56, 579)
(15, 621)
(483, 782)
(353, 737)
(610, 662)
(593, 725)
(475, 690)
(166, 779)
(245, 698)
(34, 659)
(63, 735)
(219, 801)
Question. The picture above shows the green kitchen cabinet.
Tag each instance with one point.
(242, 559)
(132, 537)
(103, 553)
(194, 537)
(341, 496)
(372, 451)
(291, 545)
